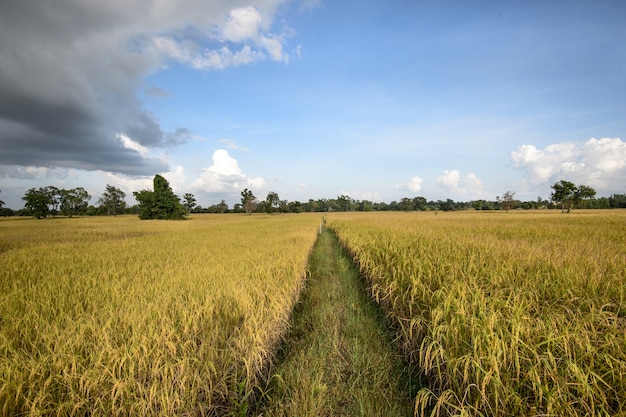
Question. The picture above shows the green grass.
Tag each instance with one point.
(339, 358)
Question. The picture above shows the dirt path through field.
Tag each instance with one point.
(339, 359)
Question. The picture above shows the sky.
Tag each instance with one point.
(377, 100)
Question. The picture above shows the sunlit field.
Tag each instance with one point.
(519, 313)
(506, 314)
(117, 316)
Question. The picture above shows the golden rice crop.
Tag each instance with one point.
(117, 316)
(520, 313)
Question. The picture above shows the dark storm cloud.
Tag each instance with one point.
(62, 99)
(69, 73)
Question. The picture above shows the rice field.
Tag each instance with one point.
(520, 313)
(117, 316)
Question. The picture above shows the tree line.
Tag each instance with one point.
(42, 202)
(162, 203)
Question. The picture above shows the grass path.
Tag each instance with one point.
(339, 359)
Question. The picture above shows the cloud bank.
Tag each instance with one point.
(599, 163)
(70, 72)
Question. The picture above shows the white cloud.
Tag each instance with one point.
(449, 179)
(606, 154)
(176, 178)
(224, 175)
(245, 26)
(600, 163)
(128, 143)
(188, 53)
(458, 185)
(414, 185)
(274, 47)
(243, 23)
(232, 145)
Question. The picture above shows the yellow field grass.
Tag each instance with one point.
(117, 316)
(520, 313)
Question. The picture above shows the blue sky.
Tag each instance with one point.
(313, 99)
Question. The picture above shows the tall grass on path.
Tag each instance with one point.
(339, 358)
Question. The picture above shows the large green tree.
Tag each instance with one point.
(37, 202)
(74, 201)
(569, 195)
(113, 200)
(161, 203)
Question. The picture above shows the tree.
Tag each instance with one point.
(4, 211)
(168, 204)
(344, 203)
(584, 192)
(420, 203)
(294, 207)
(506, 200)
(272, 200)
(405, 204)
(617, 200)
(74, 201)
(55, 196)
(222, 207)
(113, 200)
(541, 203)
(146, 205)
(568, 194)
(448, 205)
(36, 202)
(189, 202)
(161, 203)
(563, 193)
(283, 206)
(248, 201)
(365, 205)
